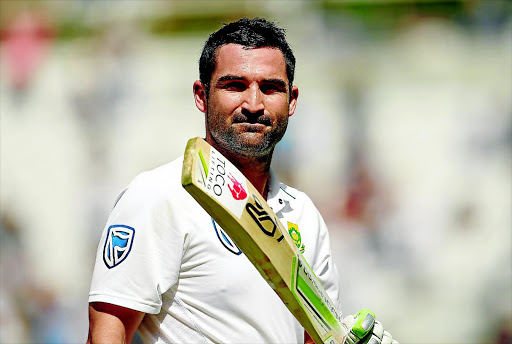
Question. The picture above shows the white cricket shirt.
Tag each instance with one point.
(161, 253)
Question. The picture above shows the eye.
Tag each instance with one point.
(234, 86)
(271, 88)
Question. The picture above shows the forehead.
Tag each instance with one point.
(235, 59)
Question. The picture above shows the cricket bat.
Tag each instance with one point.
(235, 204)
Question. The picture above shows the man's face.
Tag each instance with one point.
(249, 102)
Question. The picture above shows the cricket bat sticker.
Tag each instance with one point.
(310, 294)
(221, 181)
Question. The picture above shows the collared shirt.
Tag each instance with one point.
(162, 254)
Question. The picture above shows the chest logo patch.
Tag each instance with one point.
(293, 229)
(117, 244)
(226, 240)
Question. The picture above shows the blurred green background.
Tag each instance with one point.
(402, 138)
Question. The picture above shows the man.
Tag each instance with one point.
(176, 277)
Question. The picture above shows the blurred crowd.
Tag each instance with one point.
(402, 137)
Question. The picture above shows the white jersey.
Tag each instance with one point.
(162, 254)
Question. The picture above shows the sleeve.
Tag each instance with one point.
(139, 254)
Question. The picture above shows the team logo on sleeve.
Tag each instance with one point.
(117, 244)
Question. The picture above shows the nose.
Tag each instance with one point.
(254, 99)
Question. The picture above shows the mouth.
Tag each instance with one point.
(251, 127)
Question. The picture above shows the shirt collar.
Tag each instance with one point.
(278, 199)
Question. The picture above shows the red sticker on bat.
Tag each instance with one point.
(237, 190)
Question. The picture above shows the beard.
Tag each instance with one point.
(245, 143)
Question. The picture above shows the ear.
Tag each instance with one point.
(293, 100)
(200, 96)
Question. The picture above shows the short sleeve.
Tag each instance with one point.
(139, 254)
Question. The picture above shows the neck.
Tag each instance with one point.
(256, 170)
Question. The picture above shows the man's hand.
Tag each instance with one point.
(364, 329)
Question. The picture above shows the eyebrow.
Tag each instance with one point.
(230, 77)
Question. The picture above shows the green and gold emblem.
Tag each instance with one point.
(293, 229)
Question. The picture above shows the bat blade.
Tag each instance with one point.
(235, 204)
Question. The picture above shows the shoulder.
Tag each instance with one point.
(299, 207)
(165, 176)
(154, 186)
(299, 198)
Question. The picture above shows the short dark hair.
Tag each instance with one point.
(250, 33)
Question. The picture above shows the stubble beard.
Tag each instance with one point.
(233, 142)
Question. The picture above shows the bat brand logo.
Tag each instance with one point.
(222, 181)
(237, 190)
(117, 244)
(216, 180)
(267, 224)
